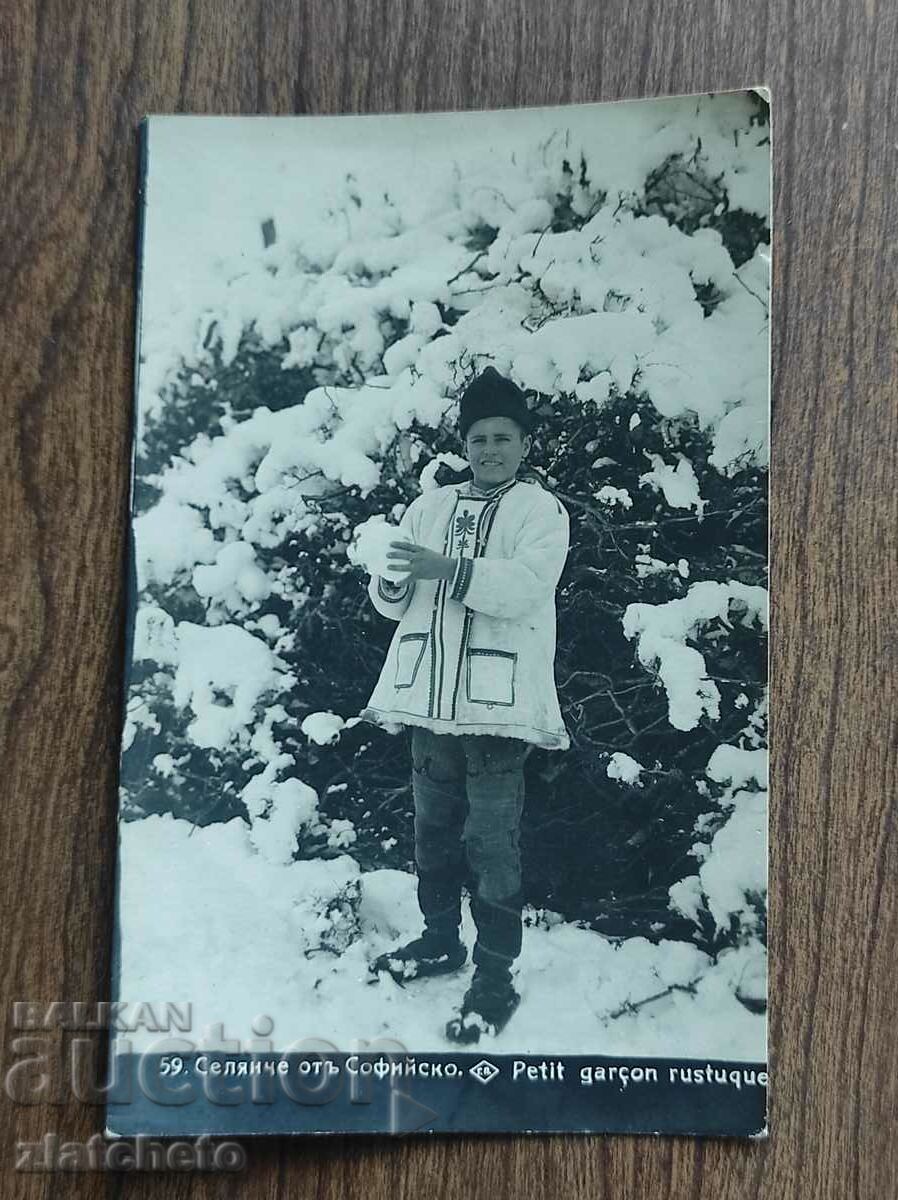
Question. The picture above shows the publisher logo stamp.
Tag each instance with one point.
(484, 1071)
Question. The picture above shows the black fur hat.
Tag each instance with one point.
(490, 394)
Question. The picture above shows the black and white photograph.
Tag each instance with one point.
(445, 731)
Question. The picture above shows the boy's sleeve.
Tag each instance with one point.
(392, 599)
(512, 587)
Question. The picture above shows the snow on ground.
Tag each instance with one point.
(205, 919)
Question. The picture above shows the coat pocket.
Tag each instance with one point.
(409, 653)
(491, 677)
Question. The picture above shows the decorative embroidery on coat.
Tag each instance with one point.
(471, 520)
(484, 525)
(465, 524)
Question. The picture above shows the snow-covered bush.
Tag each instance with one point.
(325, 915)
(625, 288)
(727, 897)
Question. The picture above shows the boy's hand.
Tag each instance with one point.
(420, 562)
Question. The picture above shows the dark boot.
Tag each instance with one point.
(485, 1011)
(499, 931)
(431, 954)
(439, 950)
(439, 898)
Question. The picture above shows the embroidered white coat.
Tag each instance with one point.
(476, 653)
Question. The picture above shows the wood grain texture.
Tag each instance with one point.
(76, 78)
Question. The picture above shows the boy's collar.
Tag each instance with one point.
(488, 493)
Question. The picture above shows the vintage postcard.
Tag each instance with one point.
(443, 798)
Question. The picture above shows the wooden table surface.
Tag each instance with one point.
(76, 78)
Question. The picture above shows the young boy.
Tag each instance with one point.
(471, 670)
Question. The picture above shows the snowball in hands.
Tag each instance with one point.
(373, 540)
(323, 728)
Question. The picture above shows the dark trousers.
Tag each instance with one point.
(469, 796)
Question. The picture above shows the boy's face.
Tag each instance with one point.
(495, 446)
